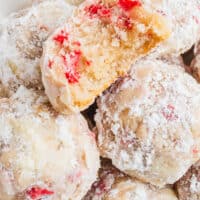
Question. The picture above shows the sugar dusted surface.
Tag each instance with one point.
(22, 35)
(114, 185)
(148, 122)
(184, 19)
(42, 151)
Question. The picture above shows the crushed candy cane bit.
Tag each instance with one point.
(50, 63)
(195, 151)
(60, 38)
(36, 193)
(124, 22)
(77, 43)
(71, 73)
(128, 4)
(74, 177)
(169, 113)
(196, 19)
(98, 10)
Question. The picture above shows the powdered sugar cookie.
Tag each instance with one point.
(44, 155)
(96, 46)
(114, 185)
(184, 17)
(148, 122)
(21, 38)
(188, 186)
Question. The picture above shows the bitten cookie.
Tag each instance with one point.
(22, 35)
(148, 122)
(114, 185)
(188, 186)
(43, 154)
(96, 46)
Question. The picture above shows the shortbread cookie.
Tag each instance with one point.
(22, 35)
(43, 154)
(148, 122)
(96, 46)
(114, 185)
(188, 186)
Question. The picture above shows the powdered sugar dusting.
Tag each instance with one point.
(157, 108)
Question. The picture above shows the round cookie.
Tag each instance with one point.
(22, 36)
(148, 122)
(44, 154)
(195, 65)
(96, 46)
(114, 185)
(188, 187)
(184, 18)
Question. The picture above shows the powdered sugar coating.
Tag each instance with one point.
(148, 122)
(184, 17)
(96, 46)
(113, 184)
(44, 153)
(21, 38)
(188, 186)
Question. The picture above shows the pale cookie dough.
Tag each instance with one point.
(96, 46)
(148, 122)
(184, 18)
(21, 37)
(114, 185)
(188, 187)
(43, 154)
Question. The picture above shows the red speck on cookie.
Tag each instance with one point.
(128, 4)
(77, 43)
(92, 135)
(195, 151)
(74, 177)
(36, 193)
(100, 187)
(50, 63)
(100, 11)
(61, 37)
(71, 64)
(169, 113)
(88, 63)
(196, 19)
(124, 22)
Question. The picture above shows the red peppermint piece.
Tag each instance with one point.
(196, 19)
(88, 63)
(100, 187)
(77, 43)
(50, 63)
(98, 10)
(60, 38)
(71, 65)
(128, 4)
(169, 113)
(75, 177)
(124, 22)
(195, 151)
(37, 193)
